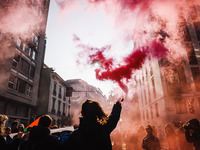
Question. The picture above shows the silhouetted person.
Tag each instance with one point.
(182, 143)
(95, 127)
(14, 126)
(192, 133)
(21, 127)
(8, 138)
(171, 137)
(40, 138)
(13, 145)
(150, 142)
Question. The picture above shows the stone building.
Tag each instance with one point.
(21, 62)
(52, 96)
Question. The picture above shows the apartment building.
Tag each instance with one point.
(20, 71)
(52, 96)
(173, 96)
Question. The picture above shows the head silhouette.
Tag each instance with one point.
(45, 121)
(92, 110)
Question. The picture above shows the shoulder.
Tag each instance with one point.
(145, 138)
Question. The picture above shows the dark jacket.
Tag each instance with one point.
(193, 138)
(151, 143)
(11, 146)
(93, 136)
(40, 139)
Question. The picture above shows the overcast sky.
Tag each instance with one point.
(93, 28)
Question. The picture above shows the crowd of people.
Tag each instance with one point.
(93, 133)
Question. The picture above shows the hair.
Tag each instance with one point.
(14, 123)
(8, 128)
(45, 121)
(3, 119)
(54, 127)
(149, 127)
(21, 126)
(92, 110)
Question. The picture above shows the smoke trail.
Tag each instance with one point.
(111, 69)
(20, 18)
(147, 21)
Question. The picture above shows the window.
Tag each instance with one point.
(69, 111)
(180, 105)
(32, 72)
(59, 102)
(151, 71)
(28, 51)
(185, 31)
(154, 89)
(33, 55)
(53, 105)
(157, 112)
(191, 54)
(54, 88)
(29, 90)
(151, 111)
(146, 76)
(21, 86)
(197, 29)
(63, 108)
(149, 94)
(18, 42)
(24, 47)
(196, 76)
(16, 61)
(60, 89)
(24, 66)
(145, 97)
(11, 81)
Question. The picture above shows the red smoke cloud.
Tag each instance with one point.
(146, 21)
(118, 72)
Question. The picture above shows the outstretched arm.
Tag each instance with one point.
(114, 116)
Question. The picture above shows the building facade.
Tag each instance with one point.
(172, 96)
(52, 96)
(20, 71)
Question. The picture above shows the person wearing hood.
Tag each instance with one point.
(150, 142)
(40, 138)
(192, 133)
(95, 127)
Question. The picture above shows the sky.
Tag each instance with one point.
(94, 28)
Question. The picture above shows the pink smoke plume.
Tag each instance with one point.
(147, 21)
(20, 18)
(109, 69)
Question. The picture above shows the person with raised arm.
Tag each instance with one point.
(95, 127)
